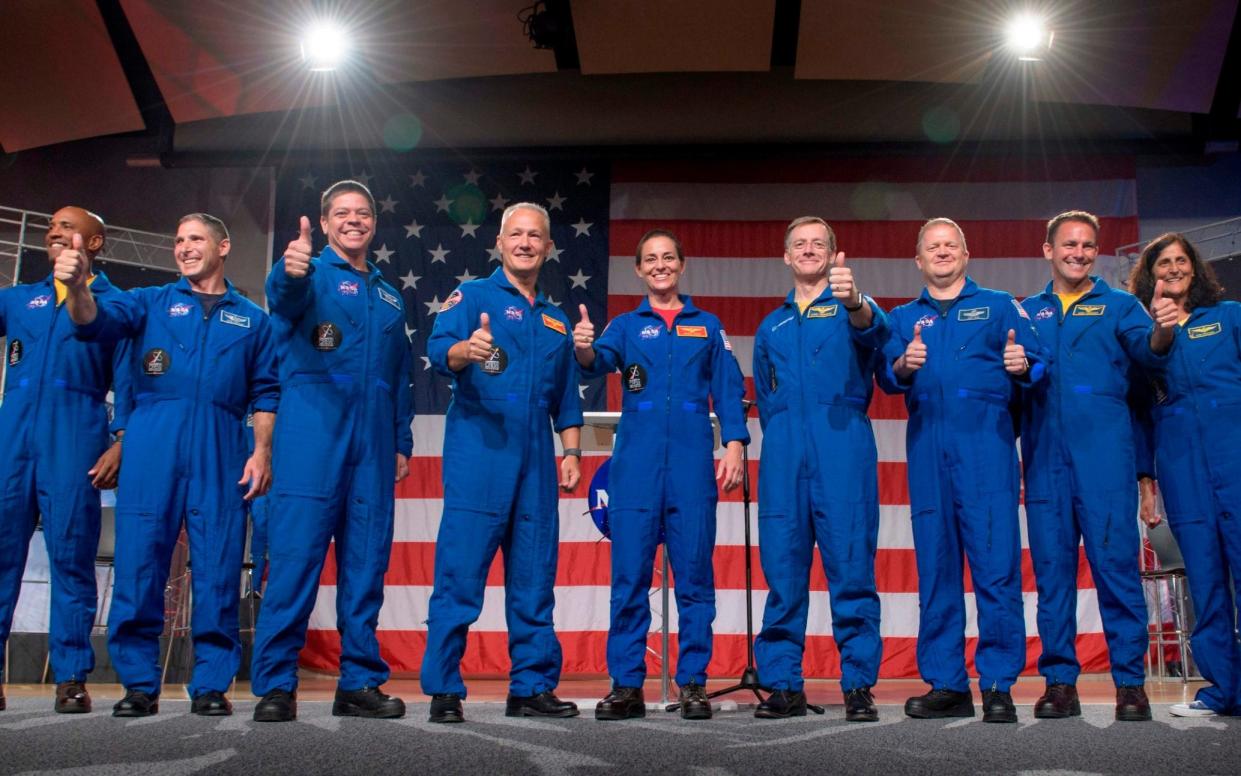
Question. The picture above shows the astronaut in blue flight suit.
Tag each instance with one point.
(1194, 404)
(203, 355)
(342, 439)
(815, 358)
(1077, 448)
(676, 365)
(54, 422)
(508, 351)
(958, 353)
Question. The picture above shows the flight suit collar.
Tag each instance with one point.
(969, 289)
(823, 298)
(333, 258)
(500, 279)
(100, 283)
(1099, 288)
(644, 307)
(231, 297)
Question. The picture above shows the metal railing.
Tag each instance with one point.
(1217, 241)
(23, 230)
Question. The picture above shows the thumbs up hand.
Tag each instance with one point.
(1015, 361)
(297, 254)
(71, 264)
(584, 331)
(914, 357)
(481, 343)
(1164, 310)
(840, 280)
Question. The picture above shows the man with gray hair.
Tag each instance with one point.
(509, 354)
(958, 353)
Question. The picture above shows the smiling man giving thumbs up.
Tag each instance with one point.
(342, 437)
(958, 353)
(507, 349)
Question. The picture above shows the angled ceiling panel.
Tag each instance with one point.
(655, 36)
(1160, 54)
(62, 79)
(439, 39)
(895, 40)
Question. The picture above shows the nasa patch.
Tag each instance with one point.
(926, 320)
(347, 288)
(513, 313)
(41, 300)
(179, 310)
(649, 332)
(1045, 313)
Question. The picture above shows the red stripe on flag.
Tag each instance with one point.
(861, 239)
(585, 652)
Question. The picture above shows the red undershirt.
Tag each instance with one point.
(668, 315)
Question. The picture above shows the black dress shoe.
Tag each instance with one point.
(1132, 704)
(446, 708)
(545, 704)
(72, 698)
(621, 703)
(368, 702)
(211, 704)
(997, 706)
(136, 704)
(782, 704)
(860, 706)
(938, 704)
(694, 702)
(276, 706)
(1057, 702)
(2, 702)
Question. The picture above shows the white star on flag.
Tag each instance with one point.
(439, 254)
(494, 253)
(382, 254)
(308, 182)
(556, 202)
(581, 391)
(579, 279)
(443, 203)
(410, 332)
(426, 363)
(433, 306)
(498, 202)
(465, 277)
(387, 204)
(417, 179)
(364, 178)
(469, 228)
(552, 302)
(582, 227)
(584, 177)
(527, 176)
(410, 280)
(554, 254)
(413, 229)
(472, 177)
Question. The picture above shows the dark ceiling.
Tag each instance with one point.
(223, 78)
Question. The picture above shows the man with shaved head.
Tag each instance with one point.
(58, 454)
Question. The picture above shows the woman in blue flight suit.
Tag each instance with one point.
(674, 359)
(1195, 406)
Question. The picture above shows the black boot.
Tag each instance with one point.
(860, 706)
(938, 704)
(368, 702)
(136, 704)
(782, 704)
(621, 703)
(446, 708)
(211, 704)
(545, 704)
(1059, 701)
(276, 706)
(1132, 705)
(998, 706)
(694, 702)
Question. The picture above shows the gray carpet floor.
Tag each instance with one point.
(34, 740)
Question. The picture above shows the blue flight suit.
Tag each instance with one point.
(663, 475)
(346, 406)
(813, 376)
(500, 480)
(260, 510)
(1196, 410)
(54, 422)
(193, 375)
(963, 480)
(1077, 448)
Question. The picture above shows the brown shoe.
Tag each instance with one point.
(1058, 702)
(1132, 704)
(72, 698)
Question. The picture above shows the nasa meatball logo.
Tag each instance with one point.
(649, 332)
(496, 361)
(15, 352)
(635, 378)
(179, 310)
(512, 313)
(156, 362)
(1045, 313)
(326, 336)
(926, 320)
(348, 288)
(41, 300)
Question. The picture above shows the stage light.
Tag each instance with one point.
(1028, 38)
(325, 47)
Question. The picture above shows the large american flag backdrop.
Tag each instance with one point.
(437, 224)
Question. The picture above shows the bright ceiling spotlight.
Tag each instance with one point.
(1028, 37)
(325, 47)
